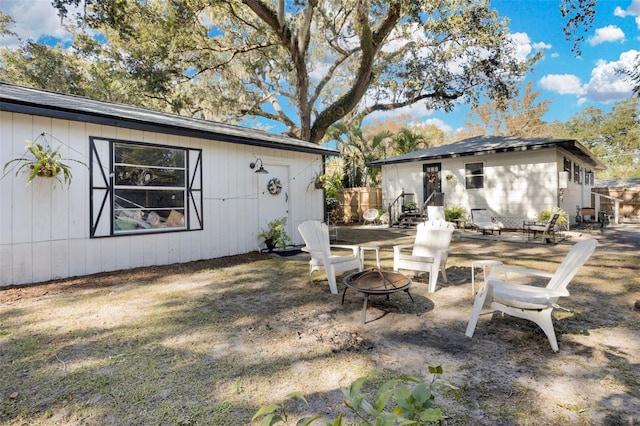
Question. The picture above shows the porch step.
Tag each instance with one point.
(410, 219)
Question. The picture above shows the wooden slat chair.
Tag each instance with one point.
(429, 252)
(548, 229)
(527, 301)
(316, 238)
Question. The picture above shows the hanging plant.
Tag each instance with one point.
(42, 160)
(318, 180)
(451, 179)
(274, 186)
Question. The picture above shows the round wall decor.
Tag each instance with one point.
(274, 186)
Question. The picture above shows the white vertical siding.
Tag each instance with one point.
(517, 185)
(44, 231)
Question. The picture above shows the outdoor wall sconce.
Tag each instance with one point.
(261, 169)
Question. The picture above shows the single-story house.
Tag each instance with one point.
(513, 178)
(147, 188)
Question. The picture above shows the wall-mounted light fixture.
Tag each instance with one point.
(261, 169)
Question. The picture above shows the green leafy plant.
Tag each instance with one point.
(414, 405)
(451, 179)
(275, 235)
(410, 206)
(42, 160)
(454, 213)
(277, 413)
(318, 180)
(545, 215)
(332, 185)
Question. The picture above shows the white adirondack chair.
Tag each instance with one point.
(531, 302)
(482, 221)
(316, 238)
(435, 213)
(429, 252)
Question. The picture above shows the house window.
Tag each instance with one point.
(474, 175)
(567, 165)
(149, 188)
(577, 175)
(588, 177)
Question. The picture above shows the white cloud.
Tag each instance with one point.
(541, 46)
(26, 13)
(632, 10)
(432, 122)
(564, 84)
(610, 33)
(605, 85)
(522, 45)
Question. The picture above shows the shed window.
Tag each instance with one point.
(474, 175)
(149, 188)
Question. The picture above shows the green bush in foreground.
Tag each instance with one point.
(413, 405)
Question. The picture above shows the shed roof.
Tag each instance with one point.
(70, 107)
(617, 183)
(485, 145)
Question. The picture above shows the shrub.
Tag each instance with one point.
(411, 404)
(545, 215)
(454, 213)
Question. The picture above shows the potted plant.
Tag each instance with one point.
(318, 181)
(42, 160)
(275, 235)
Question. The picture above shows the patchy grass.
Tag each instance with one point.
(210, 342)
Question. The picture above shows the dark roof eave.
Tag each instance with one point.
(570, 145)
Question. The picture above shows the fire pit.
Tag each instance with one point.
(375, 281)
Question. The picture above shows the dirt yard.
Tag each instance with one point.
(210, 342)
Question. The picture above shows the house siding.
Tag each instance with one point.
(45, 230)
(517, 185)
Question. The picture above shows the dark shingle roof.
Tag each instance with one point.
(485, 145)
(57, 105)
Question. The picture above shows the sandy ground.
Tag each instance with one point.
(507, 373)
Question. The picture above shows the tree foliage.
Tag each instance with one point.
(303, 64)
(614, 137)
(517, 117)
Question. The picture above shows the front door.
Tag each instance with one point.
(273, 195)
(432, 184)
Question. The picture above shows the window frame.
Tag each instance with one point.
(470, 177)
(103, 187)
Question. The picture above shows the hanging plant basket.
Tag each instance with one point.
(41, 160)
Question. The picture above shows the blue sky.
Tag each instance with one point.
(571, 83)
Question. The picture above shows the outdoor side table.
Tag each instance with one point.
(375, 281)
(484, 264)
(363, 249)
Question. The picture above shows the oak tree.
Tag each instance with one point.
(306, 64)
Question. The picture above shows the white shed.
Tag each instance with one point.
(158, 188)
(513, 178)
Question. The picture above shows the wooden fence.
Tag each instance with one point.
(355, 201)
